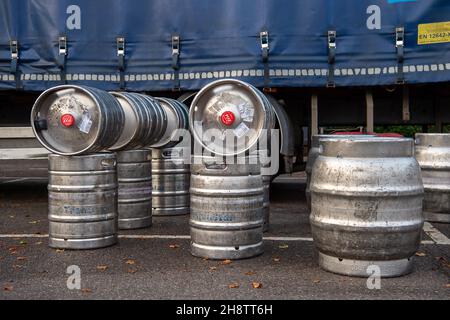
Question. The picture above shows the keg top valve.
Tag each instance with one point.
(67, 120)
(228, 118)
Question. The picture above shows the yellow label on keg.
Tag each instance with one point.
(438, 32)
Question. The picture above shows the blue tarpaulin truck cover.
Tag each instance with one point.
(146, 45)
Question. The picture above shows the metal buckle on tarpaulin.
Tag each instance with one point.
(331, 58)
(120, 41)
(400, 46)
(176, 62)
(264, 41)
(14, 50)
(62, 49)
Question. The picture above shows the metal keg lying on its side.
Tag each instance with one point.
(314, 153)
(171, 176)
(82, 201)
(366, 205)
(229, 109)
(73, 120)
(433, 155)
(266, 204)
(145, 121)
(134, 175)
(226, 208)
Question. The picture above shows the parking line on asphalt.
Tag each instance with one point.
(186, 237)
(435, 234)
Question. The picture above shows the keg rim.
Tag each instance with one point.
(251, 89)
(38, 104)
(360, 147)
(116, 146)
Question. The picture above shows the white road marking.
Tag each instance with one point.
(441, 241)
(435, 234)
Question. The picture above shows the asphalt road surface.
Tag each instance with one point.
(155, 263)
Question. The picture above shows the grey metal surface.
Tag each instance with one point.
(78, 119)
(234, 110)
(177, 118)
(226, 209)
(433, 155)
(145, 121)
(82, 201)
(266, 203)
(314, 153)
(134, 176)
(171, 176)
(366, 205)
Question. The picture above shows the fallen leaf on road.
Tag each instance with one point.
(130, 261)
(174, 246)
(257, 285)
(34, 221)
(283, 246)
(86, 290)
(316, 281)
(59, 250)
(12, 217)
(233, 285)
(102, 267)
(447, 285)
(205, 259)
(212, 268)
(225, 262)
(12, 250)
(250, 273)
(23, 242)
(276, 259)
(421, 254)
(21, 258)
(134, 270)
(39, 242)
(8, 287)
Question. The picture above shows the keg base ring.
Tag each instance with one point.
(436, 217)
(82, 244)
(358, 268)
(170, 211)
(137, 223)
(222, 252)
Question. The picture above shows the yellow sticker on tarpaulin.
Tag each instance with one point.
(437, 32)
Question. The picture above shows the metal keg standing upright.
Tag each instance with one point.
(314, 153)
(171, 176)
(134, 175)
(227, 118)
(149, 122)
(82, 201)
(73, 120)
(366, 206)
(226, 208)
(433, 155)
(170, 170)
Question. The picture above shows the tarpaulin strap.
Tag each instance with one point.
(400, 46)
(176, 61)
(264, 39)
(14, 49)
(331, 57)
(62, 45)
(121, 59)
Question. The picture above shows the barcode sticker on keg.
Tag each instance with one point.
(241, 130)
(246, 112)
(86, 124)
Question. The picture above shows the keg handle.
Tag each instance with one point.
(108, 163)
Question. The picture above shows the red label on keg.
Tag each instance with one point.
(227, 118)
(67, 120)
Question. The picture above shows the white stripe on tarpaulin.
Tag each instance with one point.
(274, 73)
